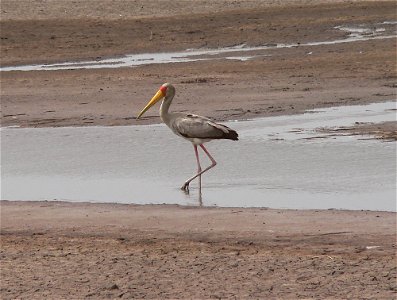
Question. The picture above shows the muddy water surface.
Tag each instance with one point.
(279, 162)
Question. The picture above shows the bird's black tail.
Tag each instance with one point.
(231, 135)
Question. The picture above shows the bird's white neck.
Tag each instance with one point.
(165, 105)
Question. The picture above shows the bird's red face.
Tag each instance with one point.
(163, 89)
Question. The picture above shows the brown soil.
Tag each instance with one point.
(288, 81)
(61, 250)
(78, 35)
(385, 131)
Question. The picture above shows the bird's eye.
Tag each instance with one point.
(163, 89)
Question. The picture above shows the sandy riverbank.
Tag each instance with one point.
(61, 250)
(58, 250)
(287, 81)
(386, 131)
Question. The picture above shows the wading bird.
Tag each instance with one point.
(194, 128)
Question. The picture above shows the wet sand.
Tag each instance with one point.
(76, 250)
(288, 81)
(384, 131)
(69, 250)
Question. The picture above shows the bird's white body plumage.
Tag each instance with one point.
(196, 129)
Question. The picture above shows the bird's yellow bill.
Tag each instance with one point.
(156, 98)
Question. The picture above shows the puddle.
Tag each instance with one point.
(289, 127)
(271, 165)
(384, 30)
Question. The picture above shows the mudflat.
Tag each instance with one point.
(78, 250)
(384, 130)
(60, 250)
(284, 81)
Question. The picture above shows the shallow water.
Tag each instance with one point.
(272, 165)
(240, 52)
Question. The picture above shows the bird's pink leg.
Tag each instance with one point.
(210, 157)
(198, 171)
(185, 186)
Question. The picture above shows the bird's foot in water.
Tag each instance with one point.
(185, 187)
